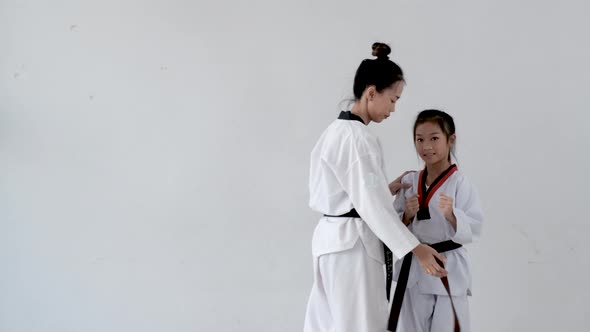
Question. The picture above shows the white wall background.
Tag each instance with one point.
(154, 154)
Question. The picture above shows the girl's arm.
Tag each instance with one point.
(467, 214)
(399, 204)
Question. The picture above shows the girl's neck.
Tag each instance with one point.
(436, 169)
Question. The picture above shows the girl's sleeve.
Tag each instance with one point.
(468, 212)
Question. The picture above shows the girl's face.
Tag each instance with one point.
(432, 144)
(382, 104)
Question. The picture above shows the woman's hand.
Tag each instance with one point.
(396, 185)
(427, 258)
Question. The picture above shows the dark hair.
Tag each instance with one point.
(380, 72)
(442, 119)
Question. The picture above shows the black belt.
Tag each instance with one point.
(387, 253)
(402, 283)
(350, 214)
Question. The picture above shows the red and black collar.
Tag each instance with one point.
(424, 195)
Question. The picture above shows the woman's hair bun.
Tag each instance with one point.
(381, 50)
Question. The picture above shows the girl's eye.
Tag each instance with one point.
(434, 138)
(419, 140)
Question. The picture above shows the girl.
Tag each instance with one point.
(348, 185)
(442, 208)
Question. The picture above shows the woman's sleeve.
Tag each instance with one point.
(367, 187)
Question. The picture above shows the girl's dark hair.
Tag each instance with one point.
(442, 119)
(380, 72)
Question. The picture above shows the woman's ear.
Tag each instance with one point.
(371, 91)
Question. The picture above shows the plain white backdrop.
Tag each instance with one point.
(154, 154)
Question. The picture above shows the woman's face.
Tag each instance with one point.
(382, 104)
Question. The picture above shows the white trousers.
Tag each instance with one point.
(432, 313)
(348, 293)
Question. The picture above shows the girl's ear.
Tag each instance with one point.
(451, 142)
(452, 139)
